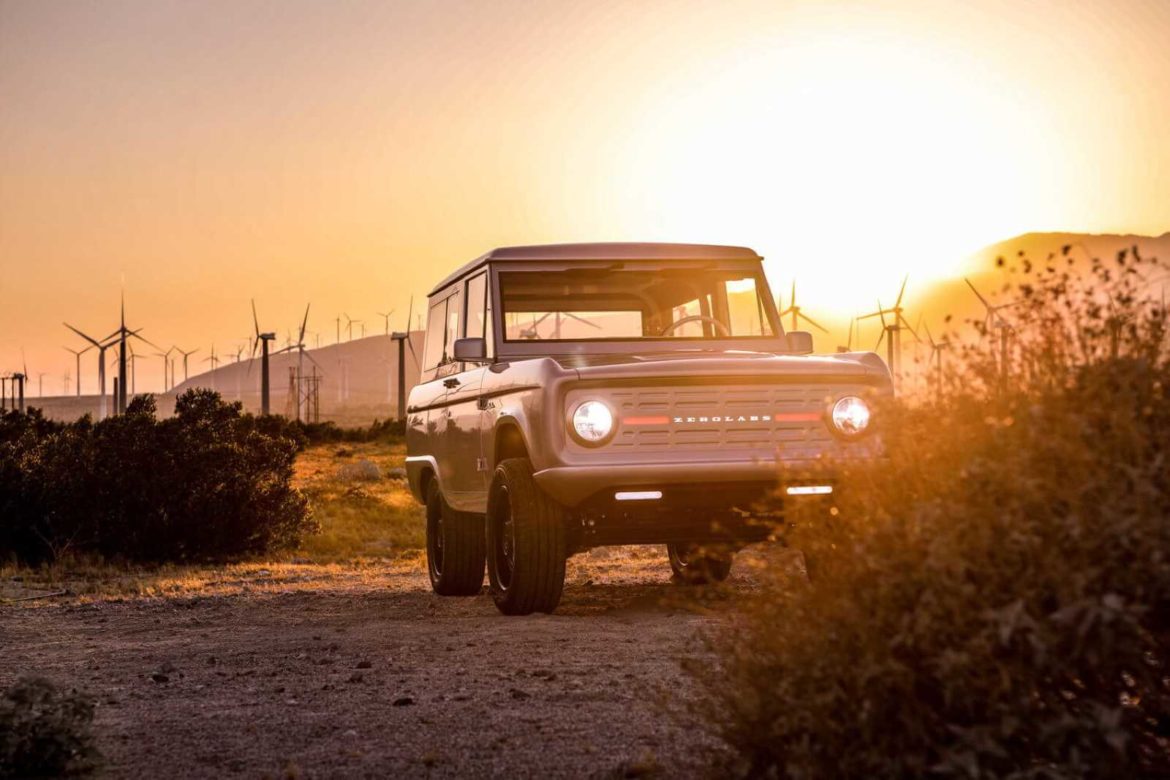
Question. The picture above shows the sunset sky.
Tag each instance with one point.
(351, 154)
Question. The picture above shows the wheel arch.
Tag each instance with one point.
(508, 441)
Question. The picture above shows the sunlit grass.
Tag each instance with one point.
(358, 518)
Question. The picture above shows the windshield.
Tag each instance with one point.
(606, 304)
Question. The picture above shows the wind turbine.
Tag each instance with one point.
(404, 342)
(121, 335)
(186, 355)
(993, 319)
(797, 314)
(134, 358)
(349, 323)
(101, 348)
(77, 353)
(386, 316)
(893, 329)
(299, 346)
(936, 354)
(166, 356)
(261, 341)
(214, 362)
(849, 343)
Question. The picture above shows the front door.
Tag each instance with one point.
(465, 476)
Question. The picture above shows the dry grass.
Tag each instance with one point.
(359, 518)
(364, 524)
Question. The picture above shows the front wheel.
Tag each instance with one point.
(693, 564)
(455, 547)
(525, 542)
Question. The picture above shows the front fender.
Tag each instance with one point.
(416, 466)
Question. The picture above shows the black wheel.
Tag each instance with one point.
(455, 547)
(693, 564)
(525, 542)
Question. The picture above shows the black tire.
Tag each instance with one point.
(455, 547)
(696, 565)
(525, 542)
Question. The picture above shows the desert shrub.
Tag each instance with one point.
(208, 483)
(45, 732)
(993, 598)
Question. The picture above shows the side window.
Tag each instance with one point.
(477, 306)
(454, 310)
(436, 324)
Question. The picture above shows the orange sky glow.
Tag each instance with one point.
(351, 154)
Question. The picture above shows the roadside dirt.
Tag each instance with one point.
(374, 676)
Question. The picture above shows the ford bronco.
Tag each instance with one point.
(580, 395)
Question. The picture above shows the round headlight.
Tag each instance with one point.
(592, 422)
(851, 416)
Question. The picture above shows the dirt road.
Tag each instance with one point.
(375, 677)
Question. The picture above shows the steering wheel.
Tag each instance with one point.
(696, 318)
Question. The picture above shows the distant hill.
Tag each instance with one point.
(358, 377)
(1038, 246)
(359, 382)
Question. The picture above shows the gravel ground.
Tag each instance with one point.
(378, 677)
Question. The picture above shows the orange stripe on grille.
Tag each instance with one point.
(797, 417)
(645, 420)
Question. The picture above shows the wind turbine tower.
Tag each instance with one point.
(262, 340)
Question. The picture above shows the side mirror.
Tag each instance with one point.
(472, 350)
(799, 342)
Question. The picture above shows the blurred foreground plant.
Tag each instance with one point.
(992, 599)
(45, 732)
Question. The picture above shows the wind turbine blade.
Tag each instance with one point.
(409, 314)
(902, 291)
(871, 314)
(849, 342)
(304, 323)
(144, 339)
(792, 301)
(900, 320)
(882, 314)
(926, 330)
(879, 341)
(255, 319)
(410, 345)
(977, 295)
(312, 360)
(289, 348)
(79, 333)
(582, 320)
(812, 322)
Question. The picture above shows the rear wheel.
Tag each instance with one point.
(694, 564)
(525, 542)
(455, 547)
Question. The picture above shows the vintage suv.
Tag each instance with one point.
(579, 395)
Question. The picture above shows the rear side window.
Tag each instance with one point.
(477, 306)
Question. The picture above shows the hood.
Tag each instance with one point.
(864, 366)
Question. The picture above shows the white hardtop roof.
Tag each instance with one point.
(603, 251)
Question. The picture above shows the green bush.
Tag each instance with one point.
(45, 732)
(208, 483)
(992, 599)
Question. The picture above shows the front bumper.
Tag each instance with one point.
(570, 485)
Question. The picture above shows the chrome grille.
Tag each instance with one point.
(707, 419)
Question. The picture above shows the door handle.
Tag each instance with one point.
(452, 382)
